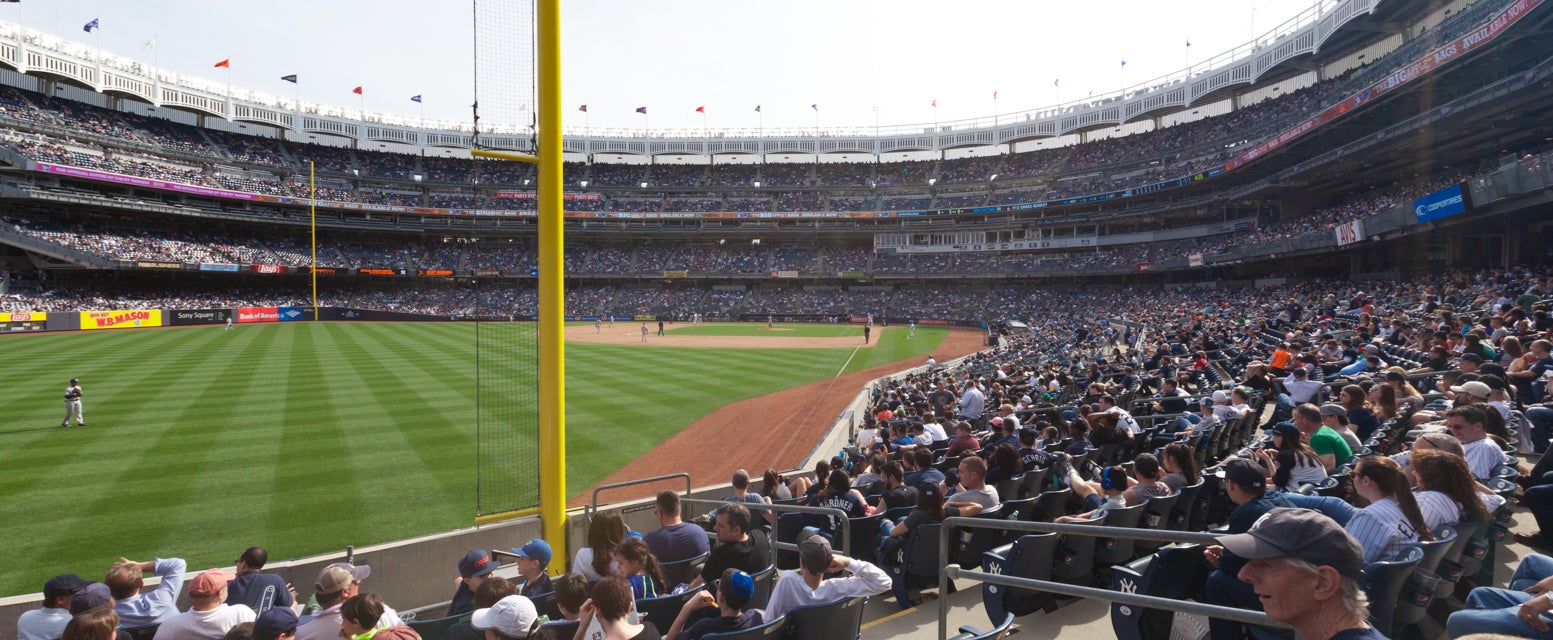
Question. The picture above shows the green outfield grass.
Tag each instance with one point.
(795, 330)
(305, 438)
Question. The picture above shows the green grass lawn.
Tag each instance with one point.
(756, 329)
(307, 437)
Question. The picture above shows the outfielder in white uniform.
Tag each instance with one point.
(73, 404)
(598, 325)
(644, 332)
(229, 323)
(912, 332)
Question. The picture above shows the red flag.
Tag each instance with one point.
(935, 103)
(583, 108)
(700, 109)
(227, 63)
(994, 95)
(356, 91)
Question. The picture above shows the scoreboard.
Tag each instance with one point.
(20, 322)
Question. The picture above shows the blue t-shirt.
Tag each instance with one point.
(677, 542)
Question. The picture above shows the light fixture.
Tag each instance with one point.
(419, 177)
(644, 185)
(757, 184)
(932, 181)
(584, 184)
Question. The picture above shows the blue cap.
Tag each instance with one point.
(741, 585)
(635, 534)
(1069, 415)
(274, 623)
(535, 549)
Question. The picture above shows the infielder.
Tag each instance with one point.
(598, 325)
(73, 404)
(644, 332)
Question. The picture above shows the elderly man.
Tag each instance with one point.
(337, 583)
(1305, 569)
(209, 616)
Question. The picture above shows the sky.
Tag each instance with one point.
(862, 62)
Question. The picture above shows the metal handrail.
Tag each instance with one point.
(846, 521)
(594, 505)
(952, 571)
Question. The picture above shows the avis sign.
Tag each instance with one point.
(1349, 232)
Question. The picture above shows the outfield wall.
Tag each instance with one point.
(36, 321)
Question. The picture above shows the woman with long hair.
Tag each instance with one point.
(1180, 466)
(1006, 464)
(772, 488)
(639, 567)
(1383, 398)
(1392, 520)
(605, 532)
(1404, 391)
(1447, 493)
(1292, 460)
(1510, 351)
(1360, 415)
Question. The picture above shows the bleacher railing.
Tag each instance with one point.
(954, 571)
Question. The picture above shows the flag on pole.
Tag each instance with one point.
(1057, 82)
(1124, 63)
(701, 109)
(415, 98)
(994, 95)
(150, 44)
(90, 25)
(642, 110)
(583, 108)
(291, 78)
(815, 106)
(356, 91)
(226, 63)
(935, 103)
(757, 108)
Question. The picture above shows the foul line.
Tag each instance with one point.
(849, 361)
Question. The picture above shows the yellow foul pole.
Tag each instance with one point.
(552, 349)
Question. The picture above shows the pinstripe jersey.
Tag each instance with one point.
(1482, 456)
(1381, 530)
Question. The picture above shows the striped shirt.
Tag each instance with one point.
(1483, 456)
(1382, 530)
(1439, 509)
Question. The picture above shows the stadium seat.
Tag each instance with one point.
(1118, 549)
(1383, 583)
(1030, 556)
(919, 565)
(1175, 571)
(1415, 599)
(434, 628)
(661, 611)
(768, 630)
(682, 571)
(996, 633)
(764, 579)
(840, 620)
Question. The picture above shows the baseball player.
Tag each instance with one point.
(911, 332)
(229, 323)
(598, 325)
(644, 332)
(73, 404)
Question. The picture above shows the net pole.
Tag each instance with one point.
(552, 348)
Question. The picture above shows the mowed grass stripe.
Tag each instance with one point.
(434, 356)
(143, 500)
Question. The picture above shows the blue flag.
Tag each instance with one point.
(415, 98)
(815, 106)
(90, 25)
(291, 78)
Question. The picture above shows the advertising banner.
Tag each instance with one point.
(18, 322)
(486, 273)
(377, 272)
(784, 274)
(207, 266)
(24, 316)
(676, 274)
(1145, 266)
(191, 317)
(149, 264)
(323, 271)
(246, 315)
(131, 319)
(1194, 260)
(266, 268)
(436, 273)
(1349, 232)
(1441, 204)
(293, 314)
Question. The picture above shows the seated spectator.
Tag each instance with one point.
(808, 585)
(337, 583)
(738, 545)
(1483, 454)
(1392, 519)
(741, 489)
(638, 566)
(48, 621)
(571, 591)
(1180, 467)
(837, 494)
(925, 475)
(365, 617)
(1305, 572)
(973, 488)
(608, 606)
(513, 616)
(1335, 417)
(734, 590)
(1329, 446)
(137, 609)
(772, 488)
(472, 570)
(1446, 493)
(1361, 416)
(533, 557)
(260, 591)
(98, 623)
(209, 615)
(275, 624)
(92, 596)
(1245, 484)
(896, 492)
(1523, 610)
(963, 440)
(1293, 462)
(675, 540)
(1006, 464)
(491, 591)
(605, 532)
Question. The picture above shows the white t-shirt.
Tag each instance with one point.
(936, 430)
(204, 625)
(865, 438)
(583, 563)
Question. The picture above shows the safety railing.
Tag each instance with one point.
(845, 538)
(594, 504)
(954, 571)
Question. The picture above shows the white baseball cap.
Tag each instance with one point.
(514, 616)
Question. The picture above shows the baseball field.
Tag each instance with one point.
(305, 438)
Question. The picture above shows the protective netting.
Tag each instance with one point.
(504, 73)
(507, 403)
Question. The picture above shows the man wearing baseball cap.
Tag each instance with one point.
(337, 583)
(511, 617)
(734, 591)
(1305, 570)
(1245, 483)
(472, 570)
(808, 585)
(275, 624)
(209, 616)
(49, 622)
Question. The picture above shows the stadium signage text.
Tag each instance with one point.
(376, 272)
(1349, 232)
(207, 266)
(1441, 204)
(190, 317)
(267, 268)
(143, 264)
(1194, 260)
(246, 315)
(436, 272)
(121, 319)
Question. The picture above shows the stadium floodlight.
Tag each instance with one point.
(584, 184)
(757, 184)
(644, 185)
(525, 182)
(418, 177)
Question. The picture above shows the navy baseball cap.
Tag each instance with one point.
(274, 623)
(62, 584)
(535, 549)
(90, 597)
(475, 564)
